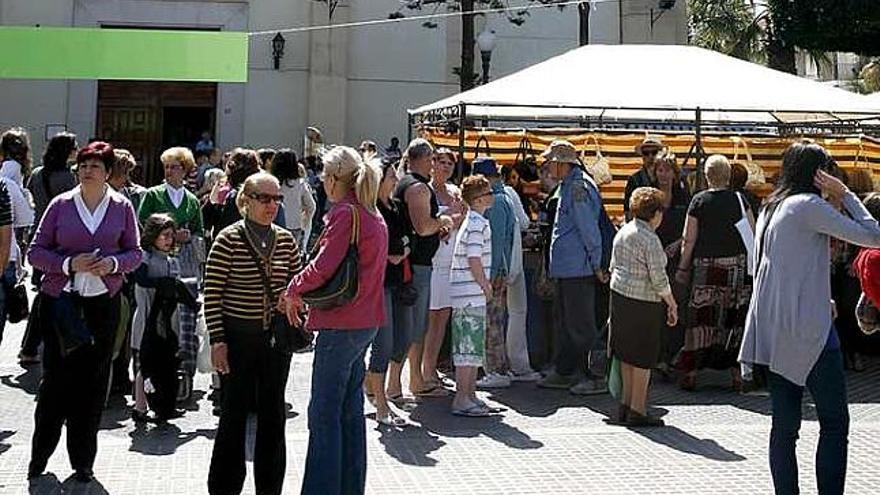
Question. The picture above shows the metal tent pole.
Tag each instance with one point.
(462, 113)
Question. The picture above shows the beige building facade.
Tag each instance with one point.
(354, 83)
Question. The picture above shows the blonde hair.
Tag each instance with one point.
(250, 187)
(347, 167)
(717, 170)
(181, 155)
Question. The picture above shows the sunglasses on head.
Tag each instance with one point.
(265, 199)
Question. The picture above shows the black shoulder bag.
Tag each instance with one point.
(343, 285)
(285, 337)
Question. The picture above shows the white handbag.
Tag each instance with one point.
(756, 173)
(747, 234)
(597, 165)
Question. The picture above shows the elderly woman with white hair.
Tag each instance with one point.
(714, 262)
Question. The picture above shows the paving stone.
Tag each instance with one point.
(548, 442)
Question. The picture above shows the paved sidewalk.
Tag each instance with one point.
(548, 442)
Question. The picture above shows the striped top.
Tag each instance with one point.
(474, 240)
(234, 285)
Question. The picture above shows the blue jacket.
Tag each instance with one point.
(502, 221)
(576, 242)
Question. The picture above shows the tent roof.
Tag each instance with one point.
(657, 83)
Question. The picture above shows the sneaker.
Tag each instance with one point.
(528, 376)
(590, 386)
(494, 380)
(556, 381)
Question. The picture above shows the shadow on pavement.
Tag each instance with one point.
(4, 434)
(684, 442)
(29, 381)
(411, 445)
(49, 484)
(532, 401)
(164, 439)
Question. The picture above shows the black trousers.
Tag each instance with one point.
(73, 387)
(257, 374)
(576, 330)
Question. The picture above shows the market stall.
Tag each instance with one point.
(606, 98)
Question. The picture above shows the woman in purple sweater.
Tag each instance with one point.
(86, 242)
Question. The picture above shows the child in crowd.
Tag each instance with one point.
(155, 323)
(469, 290)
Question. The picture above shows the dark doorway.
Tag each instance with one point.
(183, 126)
(147, 117)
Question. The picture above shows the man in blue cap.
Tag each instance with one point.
(576, 265)
(502, 221)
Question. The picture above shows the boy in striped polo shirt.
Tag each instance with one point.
(470, 288)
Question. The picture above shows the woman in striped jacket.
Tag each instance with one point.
(252, 360)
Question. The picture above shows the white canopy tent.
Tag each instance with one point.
(657, 83)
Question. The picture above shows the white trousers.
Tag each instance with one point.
(517, 342)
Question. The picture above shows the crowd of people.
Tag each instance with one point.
(238, 258)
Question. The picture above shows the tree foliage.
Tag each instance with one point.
(829, 25)
(728, 26)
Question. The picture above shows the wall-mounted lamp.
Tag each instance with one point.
(278, 49)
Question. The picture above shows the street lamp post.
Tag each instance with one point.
(486, 41)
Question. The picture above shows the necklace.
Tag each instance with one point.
(263, 236)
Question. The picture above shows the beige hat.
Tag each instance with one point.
(561, 151)
(649, 142)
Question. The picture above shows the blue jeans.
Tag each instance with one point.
(827, 385)
(7, 283)
(393, 340)
(336, 462)
(421, 309)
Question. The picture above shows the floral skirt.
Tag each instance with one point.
(716, 313)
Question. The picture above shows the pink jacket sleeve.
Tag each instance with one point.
(41, 254)
(130, 253)
(331, 252)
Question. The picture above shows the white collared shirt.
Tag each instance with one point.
(175, 194)
(86, 284)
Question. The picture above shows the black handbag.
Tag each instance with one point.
(343, 285)
(17, 308)
(284, 337)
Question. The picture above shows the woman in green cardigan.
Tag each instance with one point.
(173, 199)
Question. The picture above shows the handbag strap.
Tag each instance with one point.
(742, 205)
(263, 266)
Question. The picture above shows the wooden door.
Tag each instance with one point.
(130, 116)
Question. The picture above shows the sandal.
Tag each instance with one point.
(403, 402)
(491, 409)
(391, 419)
(475, 410)
(432, 392)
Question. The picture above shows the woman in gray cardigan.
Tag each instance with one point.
(789, 327)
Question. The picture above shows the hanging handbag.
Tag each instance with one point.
(17, 308)
(756, 173)
(284, 337)
(867, 315)
(343, 285)
(596, 165)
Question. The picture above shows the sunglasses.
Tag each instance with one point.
(651, 152)
(487, 193)
(266, 199)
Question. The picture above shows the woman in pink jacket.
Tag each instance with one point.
(336, 462)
